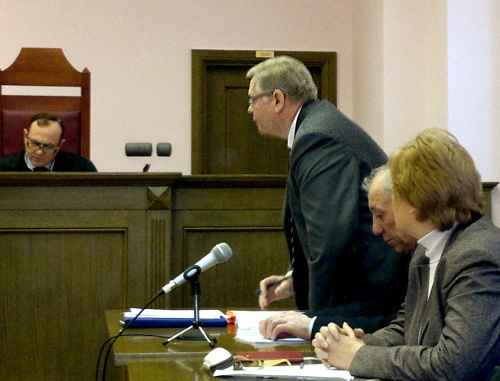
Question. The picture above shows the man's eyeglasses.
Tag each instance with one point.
(46, 148)
(255, 98)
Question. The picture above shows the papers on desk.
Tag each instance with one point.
(248, 329)
(173, 318)
(296, 372)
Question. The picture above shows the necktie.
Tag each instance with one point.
(40, 169)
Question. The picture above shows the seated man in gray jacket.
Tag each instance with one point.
(449, 328)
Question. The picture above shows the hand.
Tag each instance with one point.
(281, 291)
(336, 346)
(285, 324)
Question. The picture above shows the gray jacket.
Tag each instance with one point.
(455, 334)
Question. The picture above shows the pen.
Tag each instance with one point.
(274, 284)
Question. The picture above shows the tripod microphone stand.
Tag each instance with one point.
(192, 274)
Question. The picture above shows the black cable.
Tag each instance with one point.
(113, 339)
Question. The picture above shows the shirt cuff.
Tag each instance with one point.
(311, 324)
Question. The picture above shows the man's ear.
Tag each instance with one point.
(61, 144)
(25, 133)
(279, 100)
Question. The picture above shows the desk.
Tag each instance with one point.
(128, 348)
(167, 370)
(147, 359)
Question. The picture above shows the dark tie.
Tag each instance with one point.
(40, 169)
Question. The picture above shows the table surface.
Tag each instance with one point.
(135, 345)
(147, 359)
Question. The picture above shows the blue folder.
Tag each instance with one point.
(161, 322)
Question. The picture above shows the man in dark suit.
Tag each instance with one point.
(449, 328)
(43, 141)
(326, 215)
(305, 325)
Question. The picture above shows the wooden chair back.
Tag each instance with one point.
(46, 67)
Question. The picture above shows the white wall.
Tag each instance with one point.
(139, 54)
(474, 84)
(428, 63)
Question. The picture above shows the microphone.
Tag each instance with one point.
(219, 254)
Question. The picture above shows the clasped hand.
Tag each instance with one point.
(336, 347)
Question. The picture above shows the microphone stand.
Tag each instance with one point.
(192, 276)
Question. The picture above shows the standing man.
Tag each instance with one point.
(305, 325)
(43, 141)
(335, 258)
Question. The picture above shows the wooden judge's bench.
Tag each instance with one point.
(75, 245)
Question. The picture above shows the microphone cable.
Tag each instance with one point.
(113, 339)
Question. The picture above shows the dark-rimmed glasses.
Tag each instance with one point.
(255, 98)
(45, 148)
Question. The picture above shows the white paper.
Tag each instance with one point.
(248, 329)
(307, 372)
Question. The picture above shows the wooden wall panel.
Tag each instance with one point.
(257, 253)
(55, 285)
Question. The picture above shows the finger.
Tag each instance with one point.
(263, 303)
(263, 327)
(321, 354)
(334, 330)
(348, 330)
(359, 333)
(326, 364)
(320, 341)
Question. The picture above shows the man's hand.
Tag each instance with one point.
(281, 291)
(285, 324)
(336, 346)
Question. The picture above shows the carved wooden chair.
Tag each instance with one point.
(44, 67)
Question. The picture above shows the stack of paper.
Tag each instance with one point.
(173, 318)
(296, 372)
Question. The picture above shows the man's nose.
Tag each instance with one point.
(377, 228)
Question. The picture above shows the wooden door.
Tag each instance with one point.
(225, 139)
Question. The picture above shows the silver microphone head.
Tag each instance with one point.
(222, 252)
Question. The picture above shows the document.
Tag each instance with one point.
(295, 372)
(248, 329)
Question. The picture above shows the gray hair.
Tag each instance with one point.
(382, 171)
(287, 74)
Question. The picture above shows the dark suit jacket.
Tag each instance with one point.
(64, 162)
(455, 334)
(339, 261)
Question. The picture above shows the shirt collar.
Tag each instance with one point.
(434, 243)
(293, 129)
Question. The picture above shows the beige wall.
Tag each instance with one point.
(428, 63)
(403, 65)
(139, 53)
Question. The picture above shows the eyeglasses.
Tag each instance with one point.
(255, 98)
(46, 148)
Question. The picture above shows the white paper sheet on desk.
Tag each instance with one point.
(248, 329)
(308, 372)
